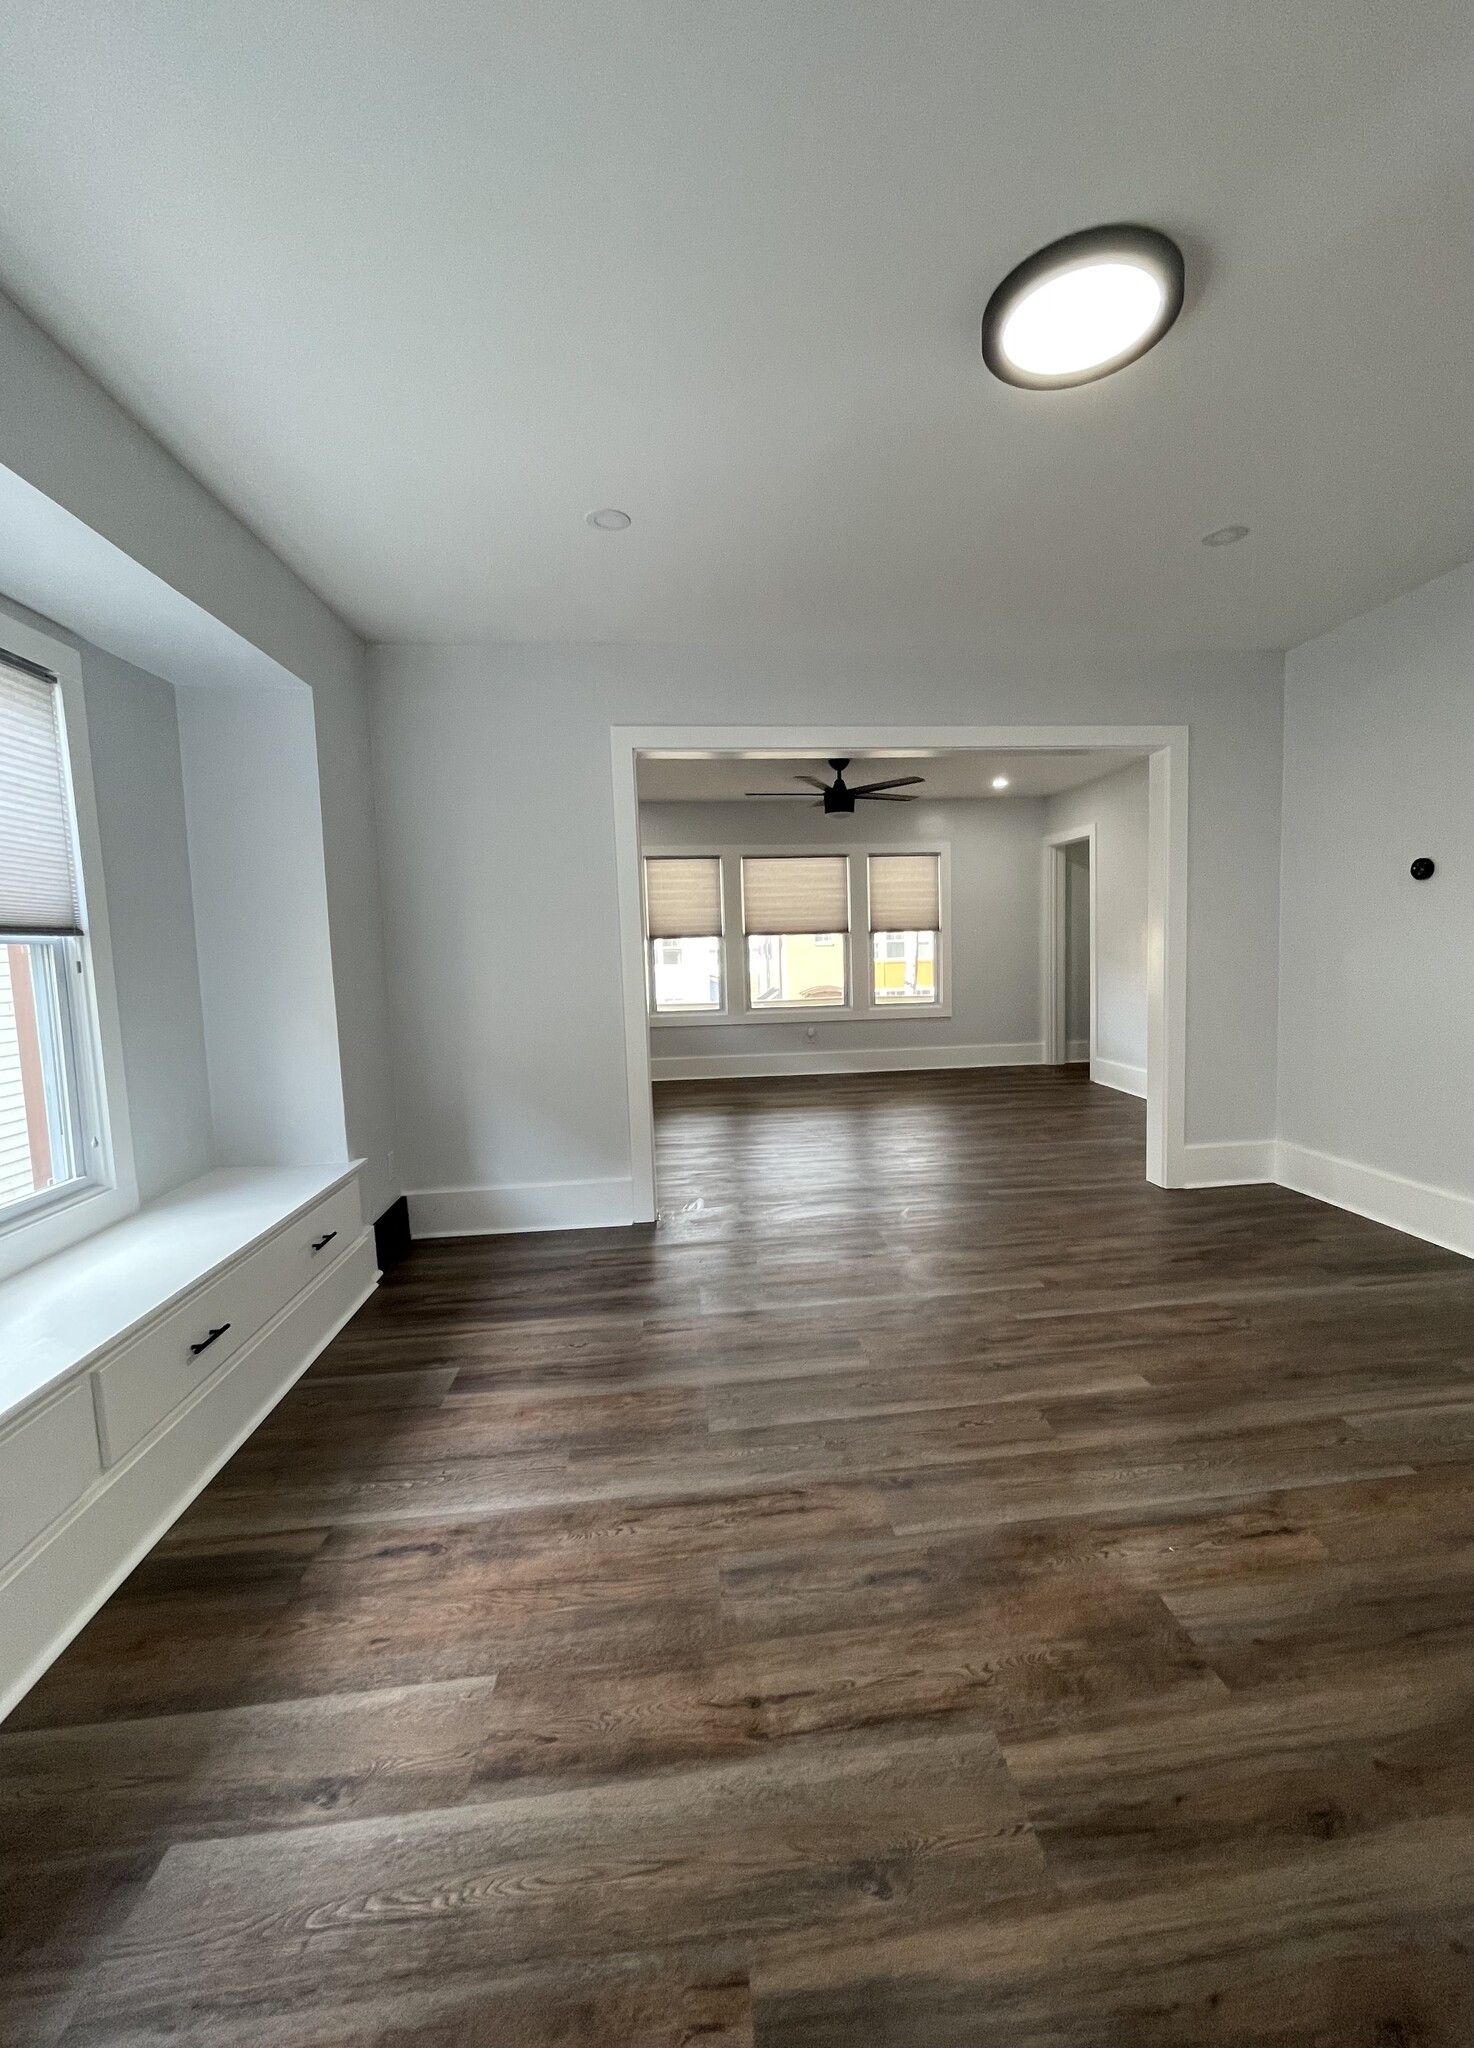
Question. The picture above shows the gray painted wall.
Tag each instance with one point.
(496, 820)
(64, 435)
(1377, 970)
(134, 733)
(992, 970)
(1117, 807)
(261, 926)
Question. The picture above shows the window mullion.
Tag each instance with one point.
(734, 963)
(865, 1003)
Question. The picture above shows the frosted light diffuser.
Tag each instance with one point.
(1083, 307)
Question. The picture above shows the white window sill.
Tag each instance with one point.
(58, 1316)
(798, 1013)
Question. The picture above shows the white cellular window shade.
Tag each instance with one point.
(905, 892)
(683, 897)
(794, 893)
(39, 893)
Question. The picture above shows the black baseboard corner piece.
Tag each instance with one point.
(391, 1235)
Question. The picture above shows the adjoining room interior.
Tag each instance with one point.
(957, 921)
(736, 950)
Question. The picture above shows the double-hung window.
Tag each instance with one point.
(683, 924)
(49, 1109)
(905, 930)
(796, 921)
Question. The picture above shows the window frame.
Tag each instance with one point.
(845, 1008)
(859, 1006)
(657, 1016)
(787, 1012)
(941, 1002)
(47, 1222)
(712, 1012)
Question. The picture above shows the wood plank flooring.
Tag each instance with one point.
(932, 1591)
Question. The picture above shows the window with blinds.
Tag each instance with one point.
(39, 891)
(42, 1079)
(683, 927)
(905, 895)
(796, 920)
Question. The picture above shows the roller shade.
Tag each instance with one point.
(38, 873)
(796, 893)
(683, 898)
(905, 894)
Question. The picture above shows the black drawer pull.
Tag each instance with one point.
(319, 1242)
(205, 1342)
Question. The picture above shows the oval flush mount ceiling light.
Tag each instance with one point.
(1083, 307)
(1225, 536)
(608, 519)
(1000, 782)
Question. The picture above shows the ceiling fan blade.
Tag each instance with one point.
(895, 782)
(880, 796)
(812, 780)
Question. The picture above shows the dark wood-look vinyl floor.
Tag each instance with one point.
(932, 1591)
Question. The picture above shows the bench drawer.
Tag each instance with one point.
(148, 1380)
(312, 1242)
(46, 1462)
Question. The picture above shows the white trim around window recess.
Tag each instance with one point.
(860, 1008)
(110, 1191)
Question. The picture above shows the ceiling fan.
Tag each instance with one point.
(837, 797)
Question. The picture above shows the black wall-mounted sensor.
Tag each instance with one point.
(1421, 868)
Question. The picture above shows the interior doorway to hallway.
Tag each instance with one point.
(1077, 951)
(1070, 950)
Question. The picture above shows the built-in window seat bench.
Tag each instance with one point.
(135, 1363)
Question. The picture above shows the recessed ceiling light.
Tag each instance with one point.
(1225, 536)
(1085, 306)
(608, 519)
(1000, 782)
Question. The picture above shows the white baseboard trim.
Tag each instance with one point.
(520, 1205)
(1116, 1074)
(876, 1059)
(1077, 1049)
(1243, 1162)
(1438, 1215)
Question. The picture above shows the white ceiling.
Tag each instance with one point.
(413, 289)
(692, 778)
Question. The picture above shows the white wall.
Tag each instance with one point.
(1377, 970)
(250, 771)
(136, 772)
(991, 970)
(496, 817)
(62, 434)
(1117, 807)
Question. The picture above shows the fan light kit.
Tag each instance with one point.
(608, 519)
(837, 797)
(1083, 307)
